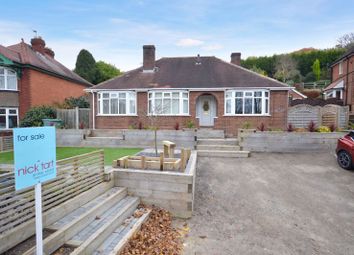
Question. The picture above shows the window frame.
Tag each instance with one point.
(340, 68)
(7, 114)
(151, 95)
(265, 102)
(6, 75)
(129, 96)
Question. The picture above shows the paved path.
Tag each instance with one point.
(272, 204)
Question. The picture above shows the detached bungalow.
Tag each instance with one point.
(206, 91)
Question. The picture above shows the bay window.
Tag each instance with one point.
(168, 103)
(8, 79)
(248, 102)
(8, 118)
(116, 103)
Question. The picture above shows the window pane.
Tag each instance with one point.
(238, 105)
(114, 105)
(266, 106)
(175, 94)
(185, 95)
(2, 82)
(266, 94)
(158, 106)
(258, 105)
(167, 94)
(122, 95)
(12, 121)
(150, 107)
(122, 106)
(185, 106)
(228, 94)
(175, 106)
(248, 94)
(158, 94)
(248, 105)
(13, 111)
(11, 82)
(132, 107)
(150, 95)
(239, 94)
(228, 106)
(2, 121)
(2, 71)
(2, 111)
(258, 93)
(166, 106)
(105, 95)
(10, 72)
(105, 106)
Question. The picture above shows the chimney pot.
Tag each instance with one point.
(236, 58)
(49, 52)
(38, 44)
(148, 57)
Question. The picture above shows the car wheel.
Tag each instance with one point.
(344, 160)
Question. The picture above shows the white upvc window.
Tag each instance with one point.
(8, 118)
(116, 103)
(168, 102)
(340, 68)
(247, 102)
(8, 79)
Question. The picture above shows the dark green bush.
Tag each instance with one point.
(34, 116)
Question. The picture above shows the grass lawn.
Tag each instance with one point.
(66, 152)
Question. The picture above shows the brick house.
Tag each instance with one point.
(204, 90)
(30, 76)
(342, 86)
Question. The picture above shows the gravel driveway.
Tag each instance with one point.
(272, 204)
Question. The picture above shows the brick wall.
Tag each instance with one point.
(37, 88)
(278, 118)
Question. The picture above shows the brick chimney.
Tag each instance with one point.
(148, 58)
(49, 52)
(236, 58)
(38, 44)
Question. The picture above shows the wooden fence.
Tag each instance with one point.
(74, 118)
(74, 176)
(301, 115)
(6, 143)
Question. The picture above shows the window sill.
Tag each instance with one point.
(247, 115)
(11, 90)
(116, 115)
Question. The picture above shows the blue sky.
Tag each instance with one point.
(114, 31)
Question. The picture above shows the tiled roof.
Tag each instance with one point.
(183, 72)
(24, 54)
(339, 83)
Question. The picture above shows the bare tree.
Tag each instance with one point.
(286, 68)
(346, 41)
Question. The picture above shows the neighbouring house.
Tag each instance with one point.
(206, 91)
(30, 76)
(342, 85)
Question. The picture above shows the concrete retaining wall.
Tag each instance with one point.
(169, 190)
(289, 141)
(70, 137)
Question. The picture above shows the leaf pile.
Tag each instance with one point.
(156, 236)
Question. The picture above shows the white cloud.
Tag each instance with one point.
(212, 47)
(189, 42)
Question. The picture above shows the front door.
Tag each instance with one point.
(206, 110)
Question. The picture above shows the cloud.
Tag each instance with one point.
(189, 42)
(212, 47)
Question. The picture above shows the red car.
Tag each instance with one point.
(345, 151)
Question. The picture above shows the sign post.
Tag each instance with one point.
(35, 163)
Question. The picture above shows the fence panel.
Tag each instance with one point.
(74, 176)
(74, 118)
(302, 114)
(6, 143)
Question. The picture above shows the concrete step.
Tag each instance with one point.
(223, 154)
(210, 133)
(106, 133)
(118, 239)
(102, 227)
(217, 141)
(218, 147)
(77, 220)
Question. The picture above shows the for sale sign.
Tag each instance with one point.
(35, 155)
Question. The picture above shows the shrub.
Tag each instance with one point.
(190, 124)
(332, 127)
(262, 127)
(34, 116)
(246, 125)
(323, 129)
(176, 126)
(311, 126)
(312, 93)
(290, 127)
